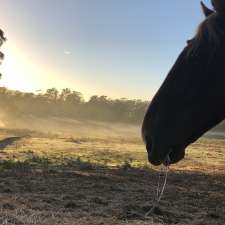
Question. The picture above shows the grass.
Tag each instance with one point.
(47, 151)
(31, 217)
(31, 198)
(46, 164)
(88, 153)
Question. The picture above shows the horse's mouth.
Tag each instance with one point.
(174, 155)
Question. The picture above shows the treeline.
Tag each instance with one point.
(71, 104)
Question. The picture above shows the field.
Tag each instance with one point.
(102, 177)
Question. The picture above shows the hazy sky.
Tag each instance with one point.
(119, 48)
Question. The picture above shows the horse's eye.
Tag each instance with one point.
(189, 42)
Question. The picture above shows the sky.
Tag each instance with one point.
(118, 48)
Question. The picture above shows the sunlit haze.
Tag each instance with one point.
(114, 48)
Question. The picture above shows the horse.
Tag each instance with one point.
(191, 100)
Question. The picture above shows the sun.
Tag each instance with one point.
(22, 72)
(16, 70)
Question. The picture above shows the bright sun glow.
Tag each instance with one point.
(15, 75)
(21, 73)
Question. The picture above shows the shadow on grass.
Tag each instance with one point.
(99, 191)
(43, 163)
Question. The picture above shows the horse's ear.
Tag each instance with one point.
(207, 12)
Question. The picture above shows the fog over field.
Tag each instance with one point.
(72, 127)
(67, 112)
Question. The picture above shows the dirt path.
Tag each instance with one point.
(109, 197)
(9, 141)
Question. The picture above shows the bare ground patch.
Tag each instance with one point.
(109, 197)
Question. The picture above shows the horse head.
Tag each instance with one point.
(191, 100)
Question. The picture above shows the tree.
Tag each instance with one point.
(2, 40)
(75, 97)
(93, 99)
(64, 94)
(52, 94)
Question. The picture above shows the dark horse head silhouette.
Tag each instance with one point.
(191, 100)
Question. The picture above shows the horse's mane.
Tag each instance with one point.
(210, 32)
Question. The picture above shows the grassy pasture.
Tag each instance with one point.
(56, 178)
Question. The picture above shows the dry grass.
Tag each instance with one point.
(49, 179)
(52, 150)
(32, 217)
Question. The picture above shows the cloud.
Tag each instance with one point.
(67, 52)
